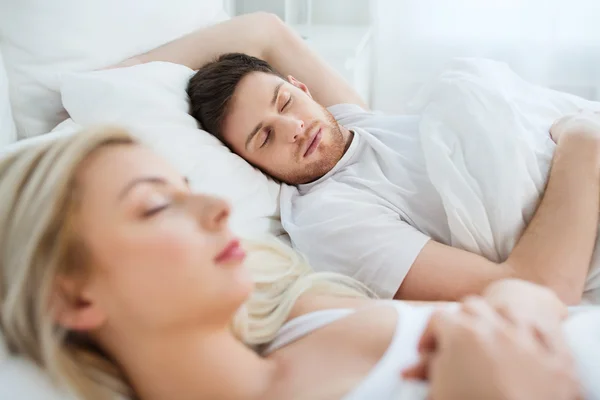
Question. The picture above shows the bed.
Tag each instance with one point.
(51, 84)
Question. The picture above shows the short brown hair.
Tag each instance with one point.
(211, 89)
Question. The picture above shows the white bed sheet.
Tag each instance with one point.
(485, 136)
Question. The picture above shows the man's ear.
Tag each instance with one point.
(299, 85)
(73, 308)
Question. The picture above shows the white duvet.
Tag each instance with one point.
(485, 135)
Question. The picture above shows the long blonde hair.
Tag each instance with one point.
(281, 276)
(39, 193)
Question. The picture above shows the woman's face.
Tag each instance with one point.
(161, 257)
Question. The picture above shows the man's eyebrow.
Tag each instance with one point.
(259, 126)
(276, 93)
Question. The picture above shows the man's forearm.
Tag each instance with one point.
(264, 36)
(556, 248)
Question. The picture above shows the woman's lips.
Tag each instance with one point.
(233, 252)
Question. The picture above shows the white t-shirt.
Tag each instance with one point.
(371, 215)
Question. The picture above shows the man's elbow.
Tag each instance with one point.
(269, 28)
(567, 295)
(269, 22)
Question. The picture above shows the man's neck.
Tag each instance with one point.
(348, 137)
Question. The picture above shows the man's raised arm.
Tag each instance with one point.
(264, 36)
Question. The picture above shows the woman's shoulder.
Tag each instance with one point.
(364, 328)
(338, 355)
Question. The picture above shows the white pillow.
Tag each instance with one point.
(23, 380)
(8, 134)
(43, 39)
(151, 100)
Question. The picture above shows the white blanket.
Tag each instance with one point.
(485, 135)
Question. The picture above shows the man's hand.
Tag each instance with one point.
(478, 354)
(586, 123)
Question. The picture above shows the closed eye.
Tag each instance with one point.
(287, 103)
(155, 210)
(267, 137)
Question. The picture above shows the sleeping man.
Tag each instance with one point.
(358, 199)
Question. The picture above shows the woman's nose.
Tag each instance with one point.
(212, 212)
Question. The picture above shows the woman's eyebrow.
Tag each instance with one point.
(155, 180)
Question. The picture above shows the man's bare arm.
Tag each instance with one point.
(264, 36)
(555, 250)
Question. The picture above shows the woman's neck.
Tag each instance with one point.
(195, 366)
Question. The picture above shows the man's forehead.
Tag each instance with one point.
(253, 95)
(259, 83)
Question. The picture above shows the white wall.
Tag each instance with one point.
(324, 11)
(554, 43)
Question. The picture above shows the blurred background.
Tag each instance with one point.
(387, 48)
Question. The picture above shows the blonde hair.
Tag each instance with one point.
(281, 276)
(39, 193)
(38, 189)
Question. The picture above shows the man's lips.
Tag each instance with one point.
(313, 142)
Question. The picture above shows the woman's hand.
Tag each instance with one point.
(527, 305)
(477, 353)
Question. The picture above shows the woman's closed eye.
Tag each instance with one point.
(157, 204)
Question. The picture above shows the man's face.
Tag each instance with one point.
(276, 125)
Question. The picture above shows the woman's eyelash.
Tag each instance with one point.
(155, 210)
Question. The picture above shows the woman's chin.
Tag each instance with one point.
(242, 283)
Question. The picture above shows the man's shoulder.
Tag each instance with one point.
(323, 191)
(333, 196)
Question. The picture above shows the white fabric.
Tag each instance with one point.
(553, 43)
(370, 209)
(8, 133)
(44, 39)
(304, 325)
(582, 332)
(21, 380)
(383, 382)
(488, 155)
(65, 128)
(152, 101)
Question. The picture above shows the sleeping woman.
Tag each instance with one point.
(116, 279)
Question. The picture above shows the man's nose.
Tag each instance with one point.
(293, 128)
